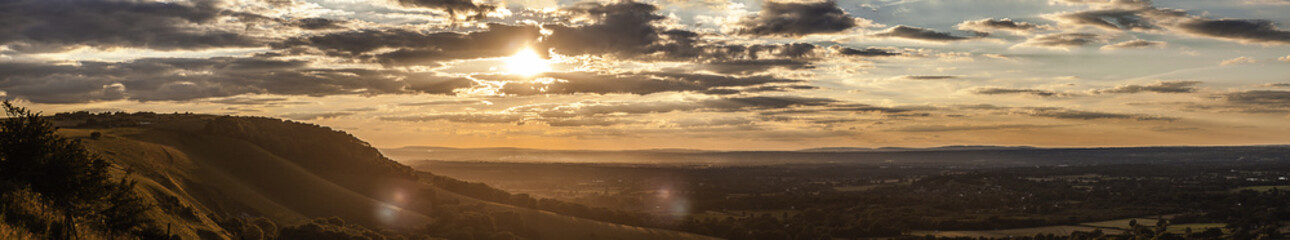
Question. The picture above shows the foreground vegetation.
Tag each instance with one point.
(182, 176)
(52, 188)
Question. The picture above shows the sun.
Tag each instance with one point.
(527, 62)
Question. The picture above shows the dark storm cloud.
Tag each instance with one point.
(418, 48)
(1136, 43)
(867, 52)
(453, 7)
(1244, 30)
(636, 83)
(797, 19)
(159, 79)
(990, 25)
(55, 25)
(1061, 113)
(1003, 91)
(1158, 87)
(916, 33)
(1064, 40)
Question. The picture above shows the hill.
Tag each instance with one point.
(956, 156)
(210, 177)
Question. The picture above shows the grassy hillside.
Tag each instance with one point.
(201, 171)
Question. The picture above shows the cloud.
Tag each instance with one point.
(1239, 60)
(1005, 91)
(622, 28)
(797, 19)
(840, 107)
(318, 23)
(1268, 2)
(954, 128)
(1061, 113)
(1158, 87)
(1113, 19)
(636, 83)
(867, 52)
(58, 25)
(1140, 15)
(928, 77)
(1277, 85)
(418, 48)
(249, 100)
(453, 7)
(585, 122)
(593, 113)
(1136, 43)
(443, 102)
(315, 116)
(708, 105)
(902, 31)
(988, 25)
(1284, 59)
(1108, 3)
(1273, 99)
(163, 79)
(1241, 30)
(753, 66)
(505, 117)
(1063, 40)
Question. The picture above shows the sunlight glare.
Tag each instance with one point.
(527, 62)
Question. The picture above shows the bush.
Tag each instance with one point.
(64, 176)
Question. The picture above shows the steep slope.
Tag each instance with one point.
(200, 169)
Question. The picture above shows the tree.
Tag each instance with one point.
(73, 180)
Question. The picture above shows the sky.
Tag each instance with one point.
(710, 74)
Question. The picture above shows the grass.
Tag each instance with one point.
(207, 174)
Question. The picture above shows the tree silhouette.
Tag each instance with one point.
(71, 179)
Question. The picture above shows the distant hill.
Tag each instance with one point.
(947, 156)
(201, 170)
(907, 149)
